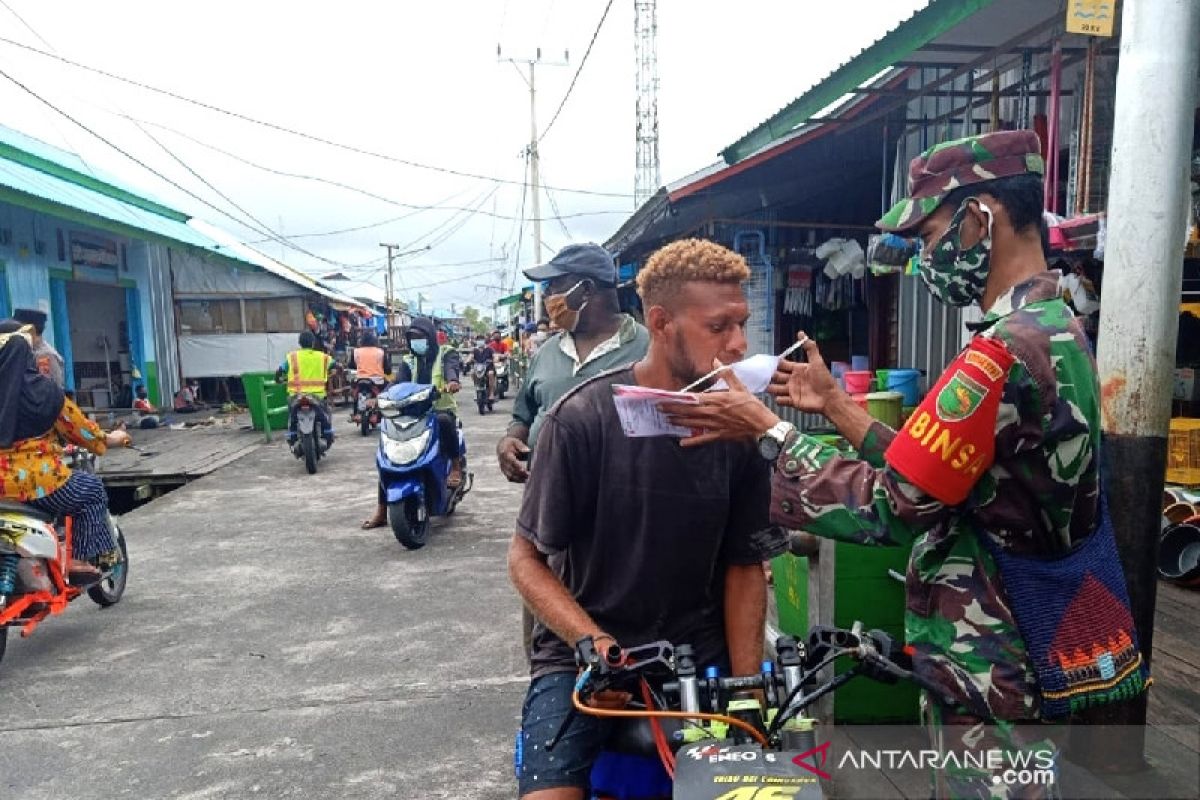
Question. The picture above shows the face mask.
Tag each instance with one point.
(419, 346)
(954, 275)
(561, 313)
(754, 372)
(540, 336)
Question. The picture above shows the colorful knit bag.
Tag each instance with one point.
(1073, 612)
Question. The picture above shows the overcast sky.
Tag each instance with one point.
(419, 82)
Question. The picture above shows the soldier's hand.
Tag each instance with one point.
(806, 387)
(509, 452)
(454, 386)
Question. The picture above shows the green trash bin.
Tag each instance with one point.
(275, 412)
(864, 592)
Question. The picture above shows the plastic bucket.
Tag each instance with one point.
(1179, 512)
(858, 381)
(881, 379)
(860, 363)
(885, 407)
(861, 400)
(907, 382)
(1179, 553)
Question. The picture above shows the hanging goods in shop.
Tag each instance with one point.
(890, 253)
(798, 299)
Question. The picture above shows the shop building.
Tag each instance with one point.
(136, 292)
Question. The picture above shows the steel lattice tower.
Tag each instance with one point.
(645, 34)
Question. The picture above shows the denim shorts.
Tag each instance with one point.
(570, 763)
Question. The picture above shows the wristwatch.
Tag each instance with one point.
(770, 444)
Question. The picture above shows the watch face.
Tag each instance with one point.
(769, 447)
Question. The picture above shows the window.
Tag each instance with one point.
(210, 316)
(277, 315)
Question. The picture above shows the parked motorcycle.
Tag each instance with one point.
(479, 376)
(412, 470)
(366, 406)
(501, 376)
(309, 444)
(35, 551)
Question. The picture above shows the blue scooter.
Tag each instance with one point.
(412, 470)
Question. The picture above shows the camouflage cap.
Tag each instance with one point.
(944, 167)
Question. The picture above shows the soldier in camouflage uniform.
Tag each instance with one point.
(1005, 446)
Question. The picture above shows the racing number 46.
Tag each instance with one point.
(763, 793)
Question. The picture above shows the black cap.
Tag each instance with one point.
(584, 260)
(31, 316)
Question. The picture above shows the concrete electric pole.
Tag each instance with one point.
(390, 279)
(535, 188)
(1147, 212)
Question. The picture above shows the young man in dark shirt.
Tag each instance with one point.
(631, 540)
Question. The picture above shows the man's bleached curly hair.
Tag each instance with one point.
(688, 261)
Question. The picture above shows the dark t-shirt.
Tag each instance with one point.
(640, 530)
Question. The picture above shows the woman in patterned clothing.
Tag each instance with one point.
(35, 419)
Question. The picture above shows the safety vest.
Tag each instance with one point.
(445, 401)
(308, 371)
(368, 361)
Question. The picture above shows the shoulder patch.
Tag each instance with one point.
(950, 439)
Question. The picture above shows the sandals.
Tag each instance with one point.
(374, 522)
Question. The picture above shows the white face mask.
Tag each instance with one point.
(540, 336)
(754, 372)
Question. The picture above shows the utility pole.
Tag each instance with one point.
(1147, 209)
(535, 188)
(388, 283)
(390, 280)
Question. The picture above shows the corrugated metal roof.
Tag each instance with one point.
(58, 191)
(918, 30)
(228, 245)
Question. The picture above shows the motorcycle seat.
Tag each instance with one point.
(11, 506)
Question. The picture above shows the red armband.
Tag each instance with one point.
(950, 439)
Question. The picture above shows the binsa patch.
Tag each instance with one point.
(950, 439)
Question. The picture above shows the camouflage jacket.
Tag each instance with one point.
(1039, 496)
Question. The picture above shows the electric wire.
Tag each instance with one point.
(291, 131)
(341, 184)
(147, 167)
(266, 229)
(578, 70)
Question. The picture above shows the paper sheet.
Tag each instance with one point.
(638, 410)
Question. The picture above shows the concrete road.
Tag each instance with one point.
(268, 647)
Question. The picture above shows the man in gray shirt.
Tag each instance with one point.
(49, 362)
(594, 336)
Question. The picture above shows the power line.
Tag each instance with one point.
(153, 171)
(291, 131)
(578, 70)
(342, 185)
(276, 237)
(28, 27)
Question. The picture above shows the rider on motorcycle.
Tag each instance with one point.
(370, 362)
(485, 354)
(307, 373)
(439, 365)
(35, 418)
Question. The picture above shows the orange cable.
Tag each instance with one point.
(604, 712)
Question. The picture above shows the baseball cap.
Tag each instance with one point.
(945, 167)
(584, 260)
